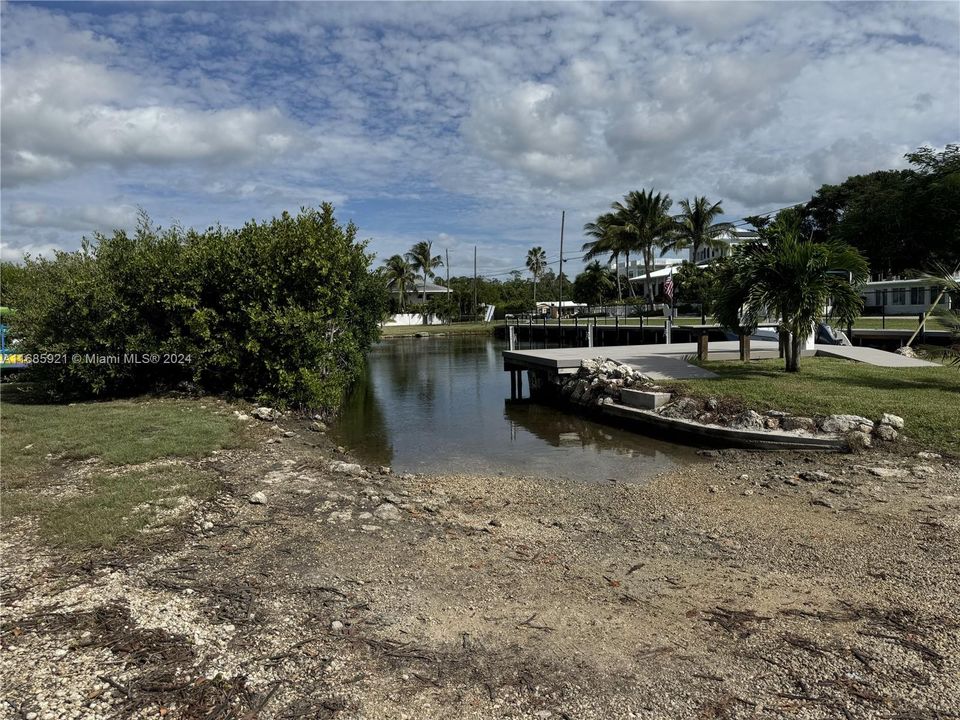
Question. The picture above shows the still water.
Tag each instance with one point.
(442, 404)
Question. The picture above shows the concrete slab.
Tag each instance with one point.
(871, 356)
(664, 367)
(669, 362)
(644, 399)
(660, 362)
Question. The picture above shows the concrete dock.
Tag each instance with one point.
(670, 362)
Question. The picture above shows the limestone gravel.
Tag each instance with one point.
(746, 585)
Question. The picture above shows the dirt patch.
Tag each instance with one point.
(746, 585)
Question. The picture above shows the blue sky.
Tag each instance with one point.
(461, 123)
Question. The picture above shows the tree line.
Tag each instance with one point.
(901, 221)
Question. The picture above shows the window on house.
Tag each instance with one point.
(899, 296)
(916, 296)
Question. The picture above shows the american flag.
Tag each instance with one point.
(668, 287)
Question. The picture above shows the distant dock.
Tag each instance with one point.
(609, 332)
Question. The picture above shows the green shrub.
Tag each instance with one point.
(281, 311)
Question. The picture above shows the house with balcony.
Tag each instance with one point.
(730, 239)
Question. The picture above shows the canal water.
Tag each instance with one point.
(442, 404)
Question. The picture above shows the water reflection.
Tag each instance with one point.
(562, 429)
(440, 405)
(362, 415)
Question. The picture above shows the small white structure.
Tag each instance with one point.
(553, 307)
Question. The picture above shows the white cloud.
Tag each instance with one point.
(473, 123)
(61, 115)
(84, 219)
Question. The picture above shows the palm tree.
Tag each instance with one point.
(694, 227)
(949, 284)
(796, 279)
(423, 260)
(536, 264)
(607, 240)
(644, 220)
(400, 276)
(593, 285)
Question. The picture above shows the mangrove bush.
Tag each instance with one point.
(280, 311)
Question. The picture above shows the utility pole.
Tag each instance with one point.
(475, 281)
(446, 252)
(563, 217)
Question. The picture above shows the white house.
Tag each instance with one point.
(415, 293)
(901, 296)
(657, 279)
(413, 297)
(635, 268)
(730, 238)
(663, 267)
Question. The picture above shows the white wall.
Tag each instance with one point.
(410, 319)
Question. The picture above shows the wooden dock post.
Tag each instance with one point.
(702, 342)
(744, 348)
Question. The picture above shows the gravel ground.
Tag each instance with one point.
(748, 585)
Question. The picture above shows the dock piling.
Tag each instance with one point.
(702, 344)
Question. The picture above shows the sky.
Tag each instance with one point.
(467, 124)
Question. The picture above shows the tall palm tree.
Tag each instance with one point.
(536, 264)
(607, 240)
(400, 276)
(423, 260)
(794, 278)
(694, 227)
(645, 221)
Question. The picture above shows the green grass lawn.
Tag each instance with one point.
(928, 399)
(897, 323)
(43, 444)
(113, 508)
(466, 328)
